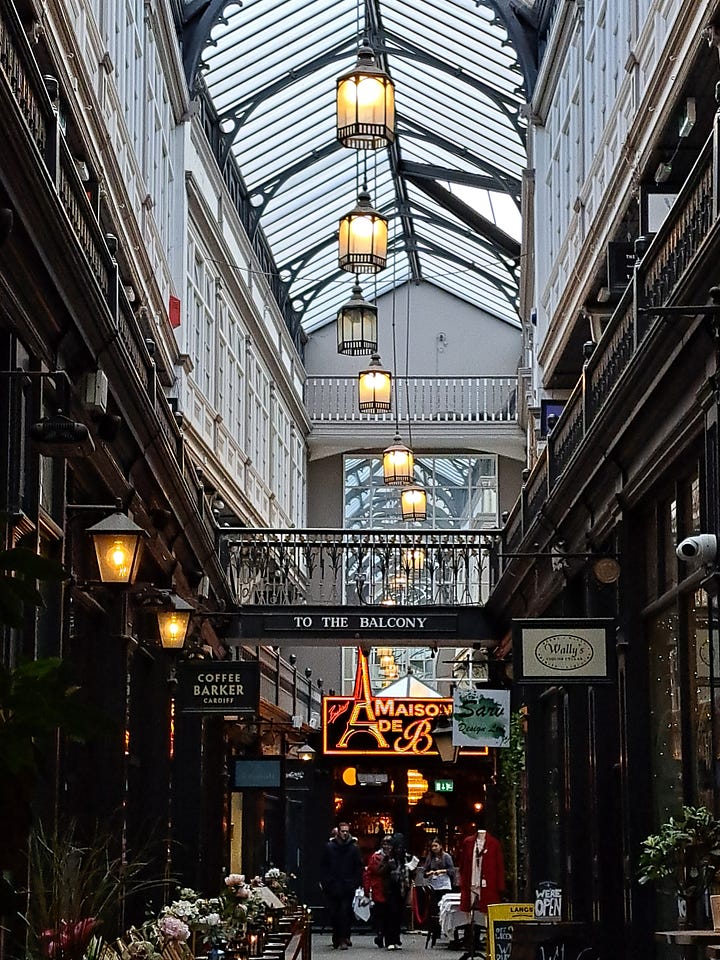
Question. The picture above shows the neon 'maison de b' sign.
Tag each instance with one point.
(400, 725)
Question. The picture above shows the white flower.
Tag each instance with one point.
(174, 929)
(235, 879)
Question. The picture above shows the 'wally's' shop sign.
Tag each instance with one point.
(562, 651)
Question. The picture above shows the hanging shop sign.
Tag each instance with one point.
(405, 626)
(401, 726)
(562, 651)
(481, 718)
(213, 686)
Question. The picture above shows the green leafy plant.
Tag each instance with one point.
(685, 852)
(76, 889)
(20, 569)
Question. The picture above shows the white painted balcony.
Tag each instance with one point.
(476, 412)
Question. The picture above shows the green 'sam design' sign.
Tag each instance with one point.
(481, 718)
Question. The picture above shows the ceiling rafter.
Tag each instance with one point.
(480, 144)
(509, 106)
(375, 30)
(476, 221)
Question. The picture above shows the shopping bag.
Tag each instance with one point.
(361, 905)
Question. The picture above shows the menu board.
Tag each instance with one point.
(501, 919)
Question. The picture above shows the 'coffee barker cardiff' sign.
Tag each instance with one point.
(562, 651)
(214, 686)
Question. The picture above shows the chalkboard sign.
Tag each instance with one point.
(502, 917)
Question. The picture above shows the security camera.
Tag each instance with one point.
(701, 546)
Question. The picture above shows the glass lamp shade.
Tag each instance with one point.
(413, 503)
(398, 464)
(374, 388)
(117, 547)
(305, 753)
(357, 326)
(414, 558)
(362, 238)
(173, 623)
(365, 104)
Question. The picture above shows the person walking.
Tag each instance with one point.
(342, 875)
(396, 874)
(374, 884)
(439, 878)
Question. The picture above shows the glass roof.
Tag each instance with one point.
(450, 185)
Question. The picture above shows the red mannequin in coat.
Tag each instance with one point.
(493, 871)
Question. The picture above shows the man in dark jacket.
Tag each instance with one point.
(342, 875)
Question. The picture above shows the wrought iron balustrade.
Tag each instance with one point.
(335, 567)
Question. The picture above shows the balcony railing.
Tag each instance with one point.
(659, 276)
(427, 399)
(336, 567)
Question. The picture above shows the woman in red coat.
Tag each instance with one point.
(374, 883)
(482, 872)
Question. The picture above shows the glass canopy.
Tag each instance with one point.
(450, 184)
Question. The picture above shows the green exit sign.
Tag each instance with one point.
(444, 786)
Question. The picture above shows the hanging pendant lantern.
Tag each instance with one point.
(414, 557)
(398, 464)
(117, 542)
(357, 326)
(365, 104)
(173, 622)
(413, 503)
(374, 388)
(363, 234)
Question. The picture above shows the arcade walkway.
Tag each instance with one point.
(364, 948)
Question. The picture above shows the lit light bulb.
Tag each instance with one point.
(173, 627)
(117, 557)
(370, 93)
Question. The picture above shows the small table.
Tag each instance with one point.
(687, 937)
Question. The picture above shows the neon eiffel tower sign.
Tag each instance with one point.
(362, 717)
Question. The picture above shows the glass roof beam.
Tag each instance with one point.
(240, 111)
(476, 221)
(508, 290)
(269, 188)
(507, 105)
(424, 215)
(436, 26)
(198, 19)
(523, 30)
(505, 182)
(427, 171)
(373, 20)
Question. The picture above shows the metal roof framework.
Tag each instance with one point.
(450, 184)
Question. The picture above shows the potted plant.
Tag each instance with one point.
(686, 852)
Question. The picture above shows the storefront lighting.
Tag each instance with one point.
(117, 547)
(398, 464)
(443, 737)
(173, 622)
(362, 240)
(374, 388)
(365, 103)
(305, 753)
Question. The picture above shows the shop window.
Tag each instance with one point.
(665, 703)
(703, 669)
